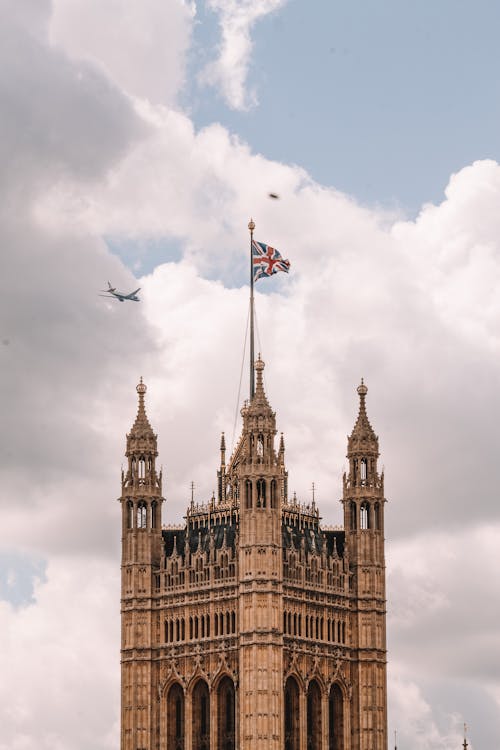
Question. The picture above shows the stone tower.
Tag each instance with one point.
(142, 544)
(363, 501)
(251, 625)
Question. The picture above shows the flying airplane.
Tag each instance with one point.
(120, 296)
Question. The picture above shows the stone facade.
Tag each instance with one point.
(251, 626)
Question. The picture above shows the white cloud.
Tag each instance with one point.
(410, 305)
(229, 71)
(141, 45)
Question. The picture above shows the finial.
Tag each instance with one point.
(362, 389)
(141, 387)
(259, 364)
(251, 225)
(466, 744)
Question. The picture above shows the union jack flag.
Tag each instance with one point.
(267, 260)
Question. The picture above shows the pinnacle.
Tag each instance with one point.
(363, 431)
(141, 426)
(260, 398)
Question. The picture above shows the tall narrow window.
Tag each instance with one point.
(260, 446)
(154, 509)
(364, 472)
(364, 515)
(274, 494)
(261, 493)
(292, 738)
(141, 467)
(141, 515)
(248, 493)
(335, 719)
(175, 718)
(354, 516)
(226, 715)
(130, 514)
(313, 716)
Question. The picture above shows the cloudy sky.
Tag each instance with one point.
(136, 140)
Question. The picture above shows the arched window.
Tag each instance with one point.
(141, 515)
(130, 514)
(260, 446)
(248, 493)
(261, 493)
(354, 516)
(335, 719)
(376, 516)
(363, 470)
(274, 494)
(154, 520)
(175, 718)
(292, 718)
(201, 717)
(364, 515)
(313, 716)
(141, 468)
(226, 715)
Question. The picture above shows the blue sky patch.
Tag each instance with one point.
(18, 574)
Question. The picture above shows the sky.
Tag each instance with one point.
(136, 141)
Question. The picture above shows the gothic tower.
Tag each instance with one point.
(363, 501)
(251, 625)
(141, 503)
(259, 472)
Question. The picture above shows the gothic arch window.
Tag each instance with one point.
(335, 719)
(363, 470)
(376, 516)
(175, 718)
(354, 516)
(292, 717)
(141, 515)
(260, 446)
(274, 493)
(364, 515)
(248, 493)
(313, 716)
(130, 514)
(233, 622)
(201, 717)
(261, 493)
(226, 715)
(154, 509)
(141, 468)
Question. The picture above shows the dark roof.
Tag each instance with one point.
(312, 539)
(193, 537)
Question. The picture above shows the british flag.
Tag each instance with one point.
(267, 260)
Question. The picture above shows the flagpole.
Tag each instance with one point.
(251, 226)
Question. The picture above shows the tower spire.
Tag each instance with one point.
(363, 433)
(251, 227)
